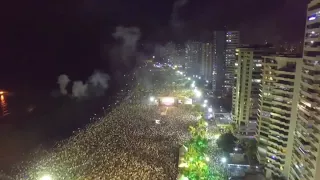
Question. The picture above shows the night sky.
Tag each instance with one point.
(41, 39)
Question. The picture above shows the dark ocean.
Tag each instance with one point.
(32, 120)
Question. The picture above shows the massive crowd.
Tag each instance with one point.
(134, 141)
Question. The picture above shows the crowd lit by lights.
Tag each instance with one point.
(130, 142)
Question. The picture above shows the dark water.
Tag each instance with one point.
(31, 121)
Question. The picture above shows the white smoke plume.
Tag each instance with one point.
(79, 89)
(129, 36)
(175, 19)
(63, 81)
(99, 79)
(96, 85)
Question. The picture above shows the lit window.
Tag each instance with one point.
(258, 65)
(312, 18)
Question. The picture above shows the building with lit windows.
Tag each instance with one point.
(193, 54)
(281, 78)
(247, 82)
(206, 61)
(306, 152)
(224, 48)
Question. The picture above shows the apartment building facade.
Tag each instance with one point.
(306, 151)
(224, 49)
(281, 79)
(247, 81)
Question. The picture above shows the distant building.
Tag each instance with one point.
(193, 56)
(292, 48)
(247, 82)
(224, 48)
(281, 77)
(206, 61)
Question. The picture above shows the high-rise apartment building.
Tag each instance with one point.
(281, 77)
(306, 152)
(193, 52)
(232, 42)
(206, 61)
(224, 48)
(246, 90)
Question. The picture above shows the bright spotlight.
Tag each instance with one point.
(210, 110)
(197, 92)
(152, 99)
(207, 159)
(223, 160)
(46, 177)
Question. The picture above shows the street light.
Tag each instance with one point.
(46, 177)
(207, 159)
(223, 159)
(189, 78)
(210, 109)
(152, 99)
(204, 105)
(197, 92)
(205, 101)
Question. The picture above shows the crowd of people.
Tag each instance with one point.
(134, 141)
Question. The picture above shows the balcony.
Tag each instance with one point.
(314, 139)
(272, 149)
(276, 138)
(311, 76)
(305, 110)
(282, 84)
(314, 29)
(316, 125)
(310, 66)
(301, 153)
(309, 48)
(303, 144)
(303, 127)
(281, 109)
(295, 173)
(285, 81)
(281, 91)
(312, 163)
(317, 116)
(305, 119)
(283, 103)
(314, 38)
(310, 85)
(308, 102)
(309, 94)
